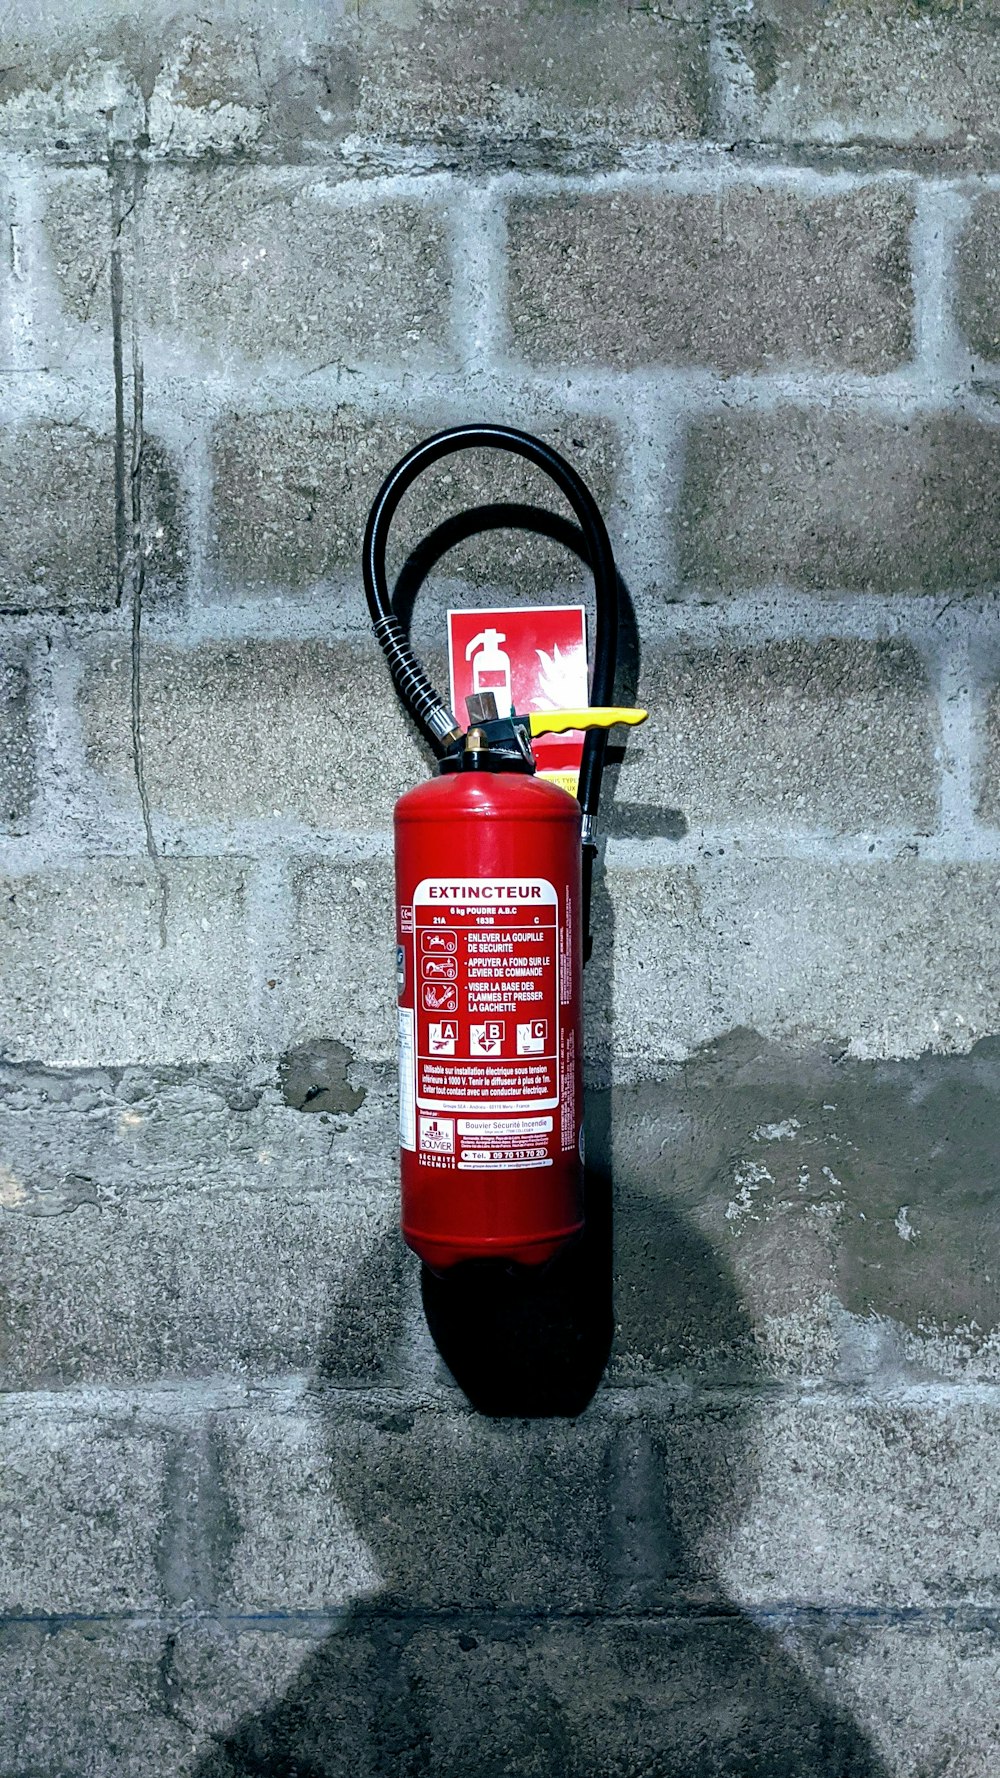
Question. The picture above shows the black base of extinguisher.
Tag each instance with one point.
(532, 1342)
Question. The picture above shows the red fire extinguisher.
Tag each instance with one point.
(493, 870)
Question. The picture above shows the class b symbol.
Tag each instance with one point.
(487, 1039)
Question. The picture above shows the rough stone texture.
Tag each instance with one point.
(815, 1216)
(766, 1503)
(257, 730)
(887, 958)
(829, 500)
(740, 279)
(276, 265)
(293, 489)
(57, 485)
(120, 1294)
(88, 980)
(17, 761)
(978, 297)
(539, 81)
(84, 1509)
(341, 973)
(509, 1525)
(988, 776)
(857, 1504)
(74, 226)
(836, 735)
(119, 1200)
(556, 76)
(89, 1696)
(851, 75)
(553, 1698)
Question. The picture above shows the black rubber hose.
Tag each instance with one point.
(415, 688)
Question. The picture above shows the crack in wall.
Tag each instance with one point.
(130, 549)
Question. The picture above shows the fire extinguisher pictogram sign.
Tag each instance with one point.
(532, 659)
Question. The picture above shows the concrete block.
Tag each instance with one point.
(75, 223)
(977, 304)
(674, 1696)
(745, 279)
(412, 1505)
(869, 76)
(341, 978)
(90, 1698)
(57, 485)
(17, 752)
(256, 730)
(985, 766)
(205, 1284)
(292, 491)
(301, 1694)
(784, 1215)
(273, 264)
(92, 976)
(833, 501)
(875, 1502)
(814, 1694)
(253, 76)
(547, 76)
(924, 1691)
(85, 1509)
(886, 958)
(122, 1193)
(836, 734)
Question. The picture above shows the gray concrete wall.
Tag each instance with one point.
(742, 265)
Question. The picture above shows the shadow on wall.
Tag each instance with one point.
(545, 1610)
(468, 1659)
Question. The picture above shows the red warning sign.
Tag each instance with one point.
(532, 658)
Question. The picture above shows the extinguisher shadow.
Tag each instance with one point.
(455, 1663)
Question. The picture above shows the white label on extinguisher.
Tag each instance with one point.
(407, 1107)
(486, 968)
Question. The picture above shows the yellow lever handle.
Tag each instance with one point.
(557, 722)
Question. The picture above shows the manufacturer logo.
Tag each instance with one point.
(437, 1134)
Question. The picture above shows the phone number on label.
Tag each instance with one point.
(504, 1154)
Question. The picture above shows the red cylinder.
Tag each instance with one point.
(488, 915)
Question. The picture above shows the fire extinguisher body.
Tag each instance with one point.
(489, 937)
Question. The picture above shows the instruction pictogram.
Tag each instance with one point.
(442, 943)
(439, 969)
(440, 997)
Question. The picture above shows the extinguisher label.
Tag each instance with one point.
(407, 1108)
(486, 972)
